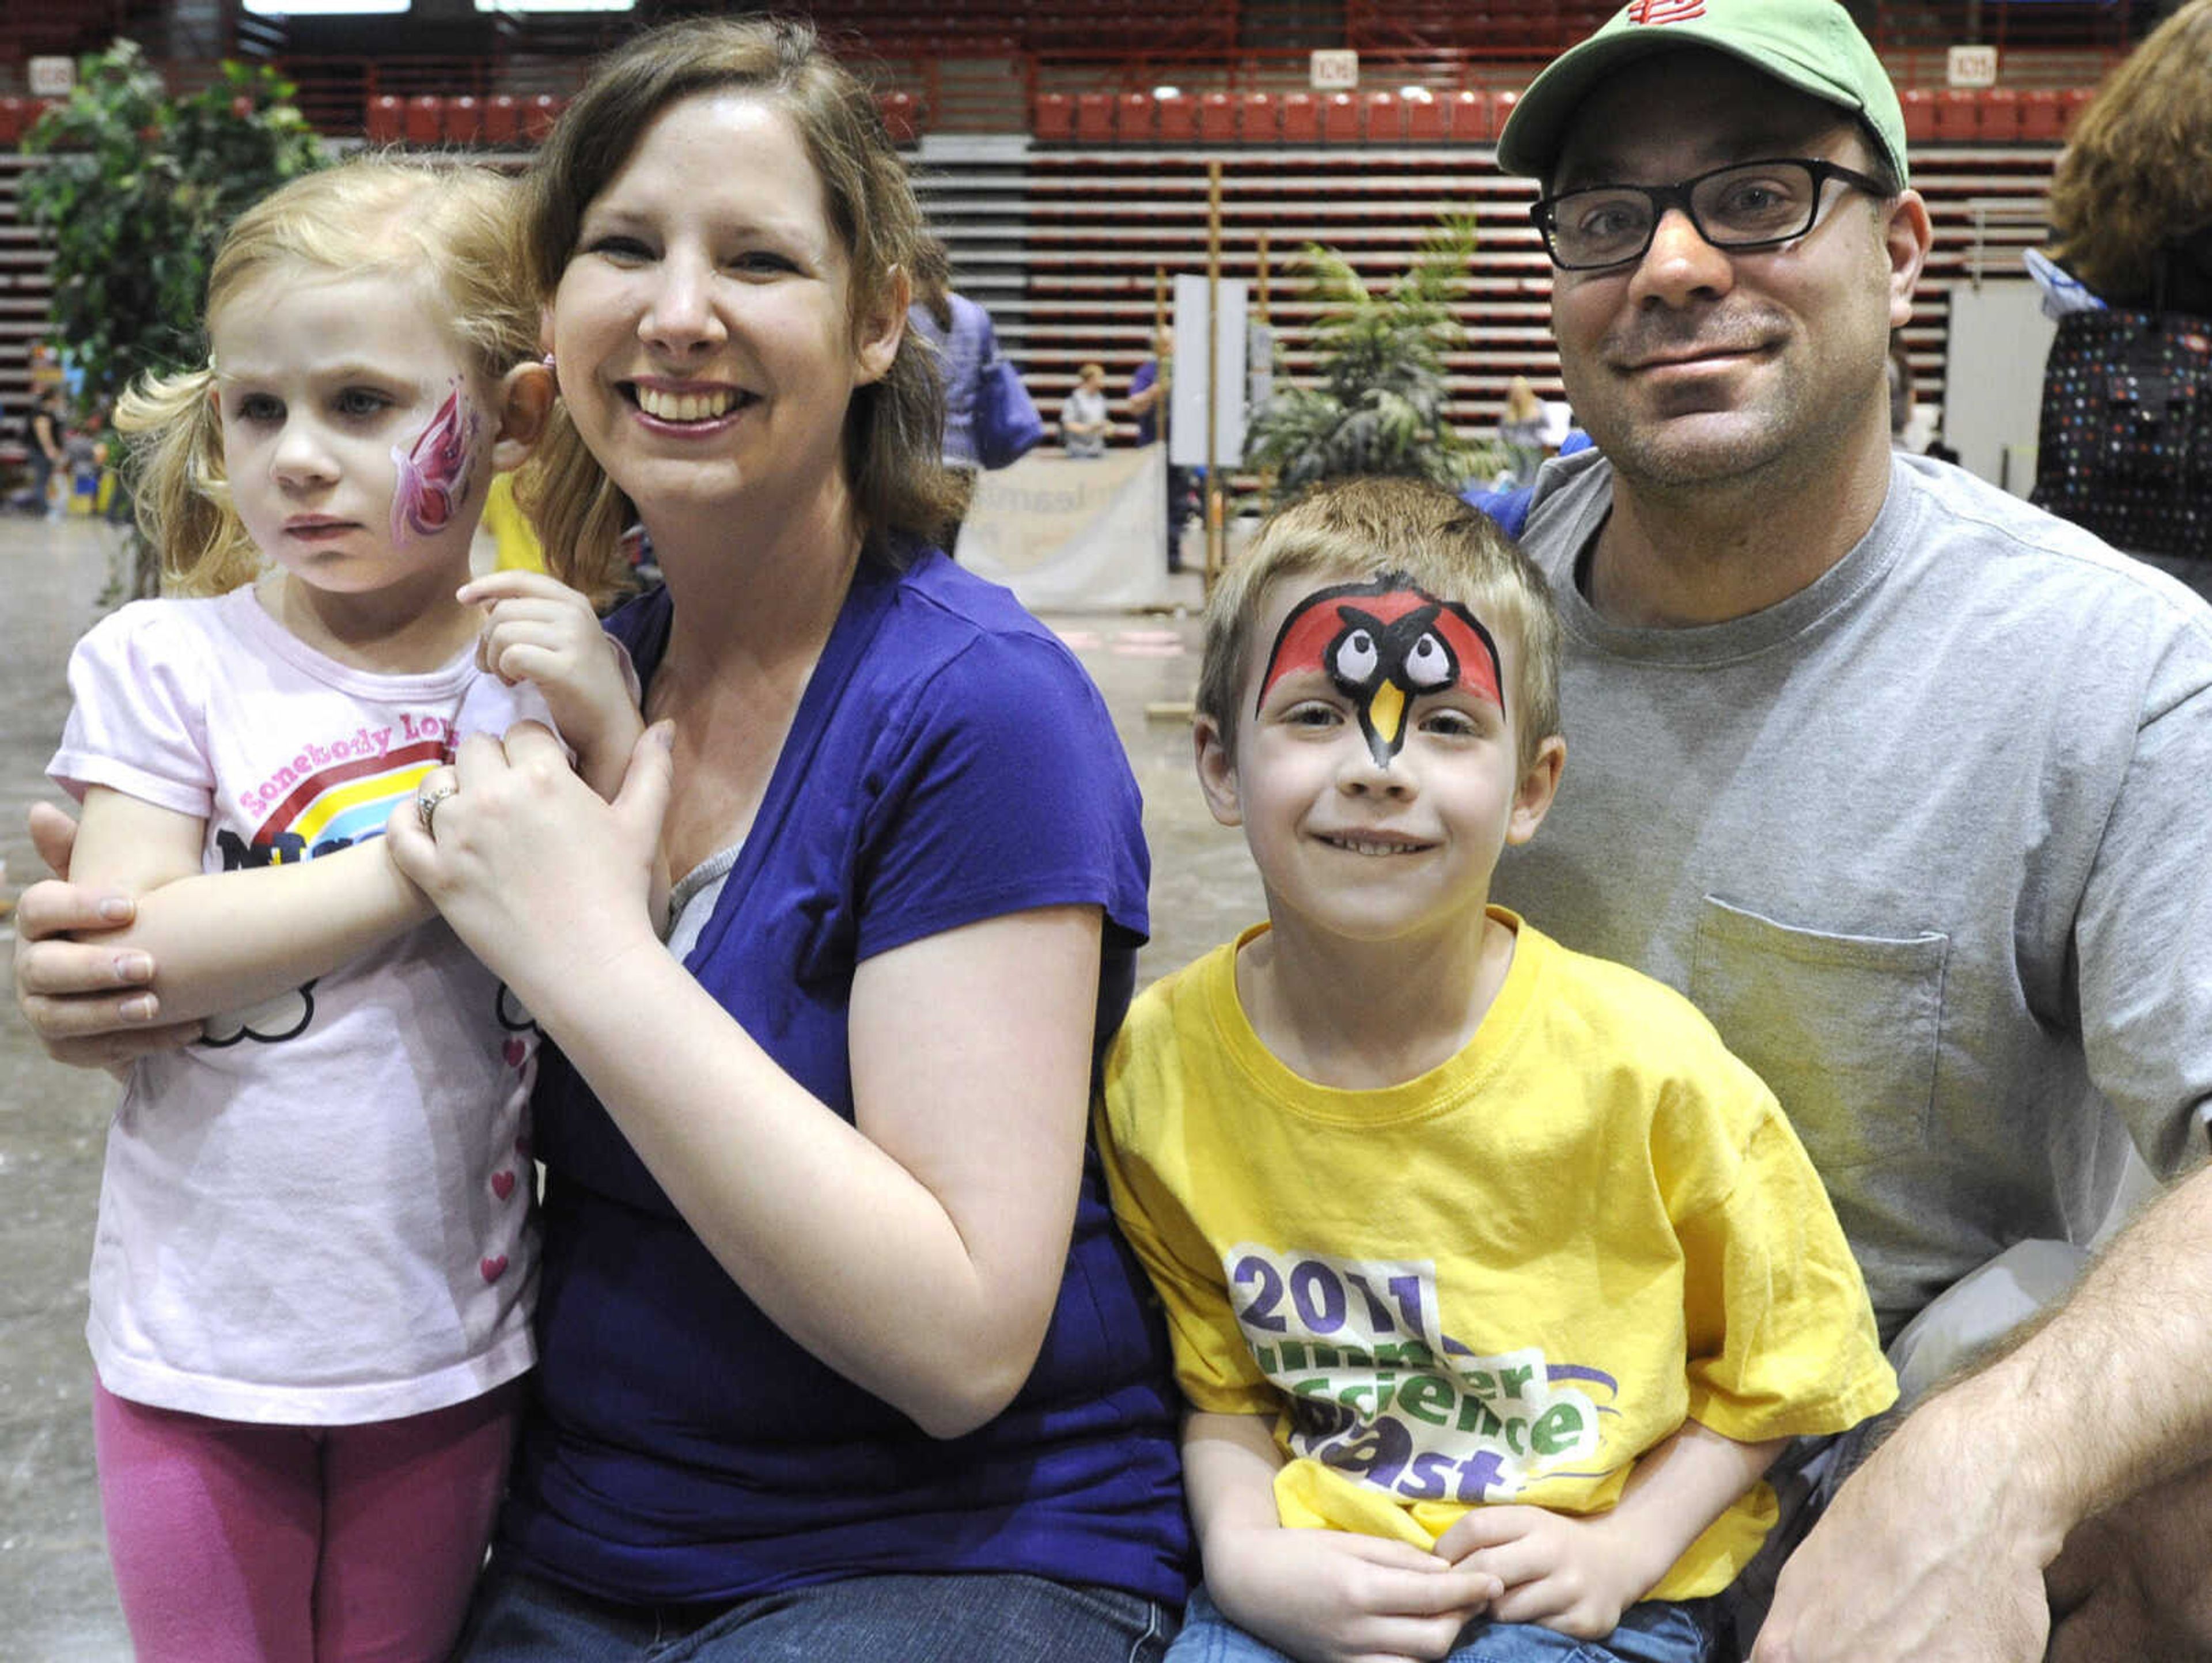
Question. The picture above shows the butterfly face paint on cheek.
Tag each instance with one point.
(1382, 645)
(437, 473)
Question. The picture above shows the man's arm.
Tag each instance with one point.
(88, 1000)
(1937, 1547)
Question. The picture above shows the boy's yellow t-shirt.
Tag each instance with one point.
(1503, 1281)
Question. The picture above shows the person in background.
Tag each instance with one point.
(977, 382)
(1897, 779)
(1084, 419)
(1151, 392)
(2124, 439)
(48, 456)
(1521, 431)
(1900, 391)
(2131, 195)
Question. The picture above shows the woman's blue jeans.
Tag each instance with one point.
(519, 1619)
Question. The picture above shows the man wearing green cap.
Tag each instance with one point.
(1900, 780)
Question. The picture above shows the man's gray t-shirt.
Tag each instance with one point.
(1928, 841)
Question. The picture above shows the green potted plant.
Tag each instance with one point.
(136, 191)
(1377, 404)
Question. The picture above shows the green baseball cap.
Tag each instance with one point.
(1810, 45)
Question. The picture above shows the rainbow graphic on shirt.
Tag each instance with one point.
(329, 798)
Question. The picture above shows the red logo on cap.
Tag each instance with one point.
(1665, 11)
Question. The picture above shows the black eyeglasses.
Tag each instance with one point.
(1746, 205)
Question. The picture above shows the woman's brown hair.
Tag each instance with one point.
(2137, 172)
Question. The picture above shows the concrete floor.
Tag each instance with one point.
(57, 1598)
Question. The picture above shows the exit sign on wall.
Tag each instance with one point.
(1973, 66)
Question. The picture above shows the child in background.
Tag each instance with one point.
(313, 1268)
(1495, 1283)
(1083, 417)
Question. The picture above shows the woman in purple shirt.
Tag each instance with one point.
(839, 1356)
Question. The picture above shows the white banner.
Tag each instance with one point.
(1073, 536)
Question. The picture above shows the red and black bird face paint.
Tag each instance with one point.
(1383, 645)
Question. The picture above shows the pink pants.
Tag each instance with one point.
(242, 1544)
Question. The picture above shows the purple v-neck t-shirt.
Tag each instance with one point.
(949, 762)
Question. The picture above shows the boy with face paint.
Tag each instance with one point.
(1494, 1281)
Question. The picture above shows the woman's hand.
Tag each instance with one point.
(88, 1004)
(532, 871)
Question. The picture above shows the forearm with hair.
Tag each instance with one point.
(2107, 1394)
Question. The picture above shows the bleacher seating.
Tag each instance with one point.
(425, 120)
(1427, 119)
(1366, 172)
(1052, 121)
(463, 120)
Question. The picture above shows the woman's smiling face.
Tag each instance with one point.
(703, 325)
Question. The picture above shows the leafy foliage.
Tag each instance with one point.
(1378, 407)
(135, 196)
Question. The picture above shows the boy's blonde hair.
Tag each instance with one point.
(452, 226)
(1363, 529)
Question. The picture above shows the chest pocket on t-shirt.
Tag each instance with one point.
(1843, 1028)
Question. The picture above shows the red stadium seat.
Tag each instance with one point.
(1217, 118)
(463, 120)
(539, 115)
(1999, 115)
(1260, 119)
(14, 120)
(1094, 118)
(1339, 118)
(1135, 119)
(1301, 118)
(1466, 118)
(2042, 116)
(901, 120)
(1386, 119)
(502, 119)
(1175, 119)
(2071, 103)
(1501, 105)
(426, 120)
(1426, 119)
(1055, 117)
(1957, 116)
(387, 120)
(1919, 114)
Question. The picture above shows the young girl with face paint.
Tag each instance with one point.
(314, 1264)
(1493, 1279)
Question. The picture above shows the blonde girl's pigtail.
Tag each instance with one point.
(183, 500)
